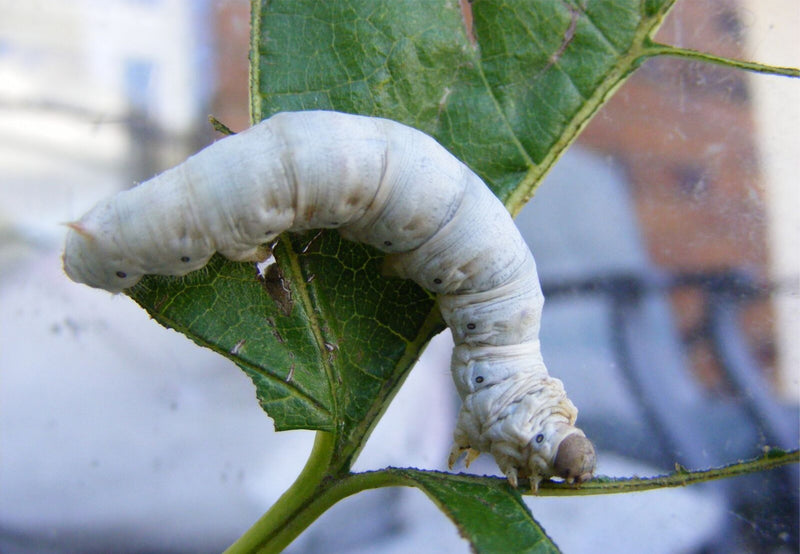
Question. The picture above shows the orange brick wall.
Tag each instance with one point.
(684, 133)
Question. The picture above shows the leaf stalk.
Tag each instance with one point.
(291, 514)
(658, 49)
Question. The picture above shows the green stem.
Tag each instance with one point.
(315, 491)
(311, 495)
(679, 478)
(658, 49)
(290, 515)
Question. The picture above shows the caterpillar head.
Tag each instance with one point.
(512, 409)
(89, 258)
(571, 457)
(575, 458)
(559, 449)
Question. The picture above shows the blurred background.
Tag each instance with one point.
(667, 243)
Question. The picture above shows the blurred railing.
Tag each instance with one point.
(686, 423)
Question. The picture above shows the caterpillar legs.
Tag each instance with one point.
(457, 451)
(574, 461)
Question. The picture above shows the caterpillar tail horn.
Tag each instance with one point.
(80, 229)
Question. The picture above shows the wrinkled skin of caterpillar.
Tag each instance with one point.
(383, 184)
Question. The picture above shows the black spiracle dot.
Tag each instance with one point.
(539, 438)
(268, 232)
(437, 281)
(121, 274)
(387, 243)
(470, 326)
(185, 259)
(479, 379)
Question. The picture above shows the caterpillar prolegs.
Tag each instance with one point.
(381, 183)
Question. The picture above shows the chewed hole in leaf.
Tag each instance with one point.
(262, 267)
(271, 276)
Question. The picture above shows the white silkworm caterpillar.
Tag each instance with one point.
(384, 184)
